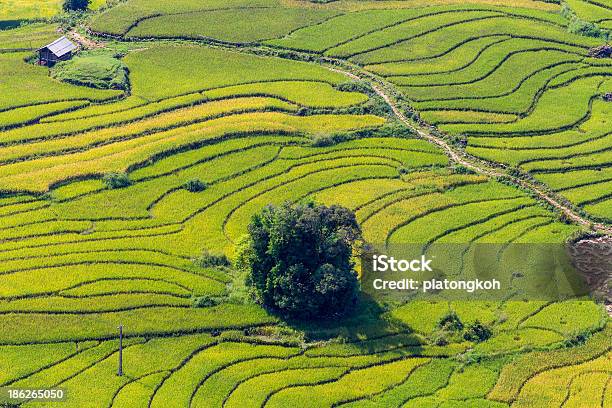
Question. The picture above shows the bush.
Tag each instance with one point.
(209, 260)
(459, 141)
(204, 301)
(300, 260)
(563, 218)
(393, 129)
(304, 111)
(576, 339)
(581, 27)
(603, 51)
(195, 186)
(378, 107)
(586, 28)
(76, 5)
(403, 170)
(460, 169)
(116, 180)
(441, 338)
(325, 140)
(450, 322)
(356, 86)
(477, 332)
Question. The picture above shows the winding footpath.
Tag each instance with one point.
(85, 42)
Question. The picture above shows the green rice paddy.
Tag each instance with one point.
(78, 258)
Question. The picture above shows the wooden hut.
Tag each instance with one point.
(59, 50)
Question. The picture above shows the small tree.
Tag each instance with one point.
(195, 186)
(117, 180)
(450, 322)
(76, 5)
(477, 332)
(299, 259)
(212, 260)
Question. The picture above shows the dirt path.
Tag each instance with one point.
(85, 42)
(460, 158)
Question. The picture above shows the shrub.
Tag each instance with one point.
(441, 338)
(304, 111)
(514, 172)
(586, 28)
(356, 86)
(565, 219)
(577, 339)
(477, 332)
(393, 129)
(204, 301)
(300, 260)
(325, 140)
(116, 180)
(450, 322)
(460, 169)
(378, 107)
(243, 253)
(210, 260)
(75, 5)
(195, 186)
(581, 27)
(459, 141)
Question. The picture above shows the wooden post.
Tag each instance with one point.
(120, 371)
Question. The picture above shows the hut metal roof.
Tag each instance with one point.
(61, 46)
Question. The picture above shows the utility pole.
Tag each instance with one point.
(120, 371)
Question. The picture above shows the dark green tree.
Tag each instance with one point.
(450, 322)
(299, 260)
(195, 186)
(477, 332)
(116, 180)
(76, 5)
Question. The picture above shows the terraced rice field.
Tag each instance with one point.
(495, 75)
(514, 82)
(13, 11)
(599, 12)
(78, 258)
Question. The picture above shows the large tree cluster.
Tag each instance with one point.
(300, 259)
